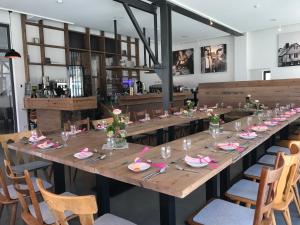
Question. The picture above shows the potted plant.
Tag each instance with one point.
(116, 131)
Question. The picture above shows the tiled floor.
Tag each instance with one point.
(141, 206)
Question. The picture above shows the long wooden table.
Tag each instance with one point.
(170, 185)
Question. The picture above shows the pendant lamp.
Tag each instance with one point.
(11, 54)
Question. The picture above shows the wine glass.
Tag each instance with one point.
(65, 137)
(260, 118)
(237, 126)
(239, 105)
(165, 152)
(222, 104)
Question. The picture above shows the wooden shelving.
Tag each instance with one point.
(128, 68)
(45, 45)
(46, 64)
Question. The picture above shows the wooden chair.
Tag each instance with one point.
(108, 121)
(33, 211)
(139, 115)
(20, 165)
(245, 191)
(83, 206)
(222, 212)
(80, 124)
(8, 193)
(8, 198)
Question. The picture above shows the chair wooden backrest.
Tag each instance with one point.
(83, 206)
(139, 115)
(14, 137)
(105, 120)
(289, 174)
(19, 183)
(78, 124)
(4, 195)
(266, 192)
(157, 112)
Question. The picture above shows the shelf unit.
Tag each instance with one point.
(90, 51)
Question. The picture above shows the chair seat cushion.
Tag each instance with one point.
(109, 219)
(226, 213)
(276, 149)
(13, 194)
(19, 169)
(47, 215)
(267, 160)
(245, 189)
(254, 171)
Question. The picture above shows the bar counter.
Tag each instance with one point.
(50, 112)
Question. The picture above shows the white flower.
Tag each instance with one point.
(117, 111)
(249, 96)
(209, 110)
(256, 101)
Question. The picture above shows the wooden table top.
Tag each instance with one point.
(174, 182)
(158, 123)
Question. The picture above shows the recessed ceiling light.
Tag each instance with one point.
(59, 1)
(211, 22)
(256, 6)
(279, 29)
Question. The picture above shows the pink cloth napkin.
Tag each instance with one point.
(202, 159)
(84, 151)
(141, 155)
(250, 134)
(269, 122)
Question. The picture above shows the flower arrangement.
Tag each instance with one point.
(213, 117)
(190, 104)
(117, 128)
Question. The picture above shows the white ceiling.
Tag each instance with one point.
(240, 15)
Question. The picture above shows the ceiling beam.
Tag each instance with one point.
(141, 5)
(199, 18)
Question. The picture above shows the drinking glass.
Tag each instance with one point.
(237, 126)
(65, 137)
(205, 107)
(222, 104)
(240, 105)
(166, 113)
(73, 129)
(292, 105)
(184, 146)
(260, 118)
(165, 152)
(214, 133)
(147, 116)
(249, 122)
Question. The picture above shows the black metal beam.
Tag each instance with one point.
(145, 55)
(140, 33)
(149, 8)
(166, 53)
(204, 20)
(155, 36)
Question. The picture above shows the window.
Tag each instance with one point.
(295, 55)
(267, 75)
(7, 100)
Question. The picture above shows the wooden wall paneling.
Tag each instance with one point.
(42, 47)
(25, 47)
(269, 92)
(67, 44)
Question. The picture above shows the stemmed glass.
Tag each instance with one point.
(237, 127)
(260, 118)
(65, 137)
(165, 152)
(186, 145)
(240, 105)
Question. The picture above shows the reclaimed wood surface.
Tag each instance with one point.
(68, 104)
(269, 92)
(174, 182)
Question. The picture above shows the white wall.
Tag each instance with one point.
(262, 53)
(192, 80)
(18, 66)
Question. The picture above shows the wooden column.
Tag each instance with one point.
(67, 45)
(25, 47)
(42, 47)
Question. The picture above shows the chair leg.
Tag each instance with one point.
(273, 218)
(287, 217)
(296, 198)
(14, 208)
(75, 175)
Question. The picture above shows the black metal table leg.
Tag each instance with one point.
(59, 177)
(224, 181)
(103, 195)
(246, 162)
(192, 127)
(160, 136)
(200, 125)
(253, 156)
(167, 209)
(171, 133)
(212, 188)
(284, 133)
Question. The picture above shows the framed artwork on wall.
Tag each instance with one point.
(183, 62)
(289, 49)
(214, 58)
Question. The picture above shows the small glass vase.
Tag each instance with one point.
(118, 142)
(190, 113)
(214, 126)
